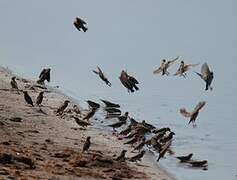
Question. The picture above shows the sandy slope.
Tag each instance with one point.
(37, 144)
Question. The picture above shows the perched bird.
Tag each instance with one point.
(28, 98)
(126, 131)
(40, 98)
(137, 157)
(163, 69)
(87, 144)
(147, 125)
(90, 114)
(62, 107)
(44, 75)
(164, 149)
(128, 81)
(109, 104)
(206, 75)
(185, 158)
(193, 115)
(93, 104)
(81, 122)
(198, 163)
(80, 24)
(14, 83)
(123, 117)
(161, 130)
(122, 157)
(183, 68)
(117, 124)
(102, 76)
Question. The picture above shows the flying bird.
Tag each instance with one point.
(185, 158)
(183, 68)
(14, 83)
(193, 115)
(102, 76)
(28, 98)
(80, 24)
(44, 75)
(87, 144)
(128, 81)
(62, 107)
(206, 75)
(163, 69)
(40, 98)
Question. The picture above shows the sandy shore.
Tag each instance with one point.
(37, 144)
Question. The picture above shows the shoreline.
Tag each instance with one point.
(54, 143)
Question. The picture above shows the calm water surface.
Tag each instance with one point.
(136, 35)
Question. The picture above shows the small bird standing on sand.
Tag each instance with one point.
(44, 75)
(164, 66)
(185, 158)
(90, 114)
(193, 115)
(14, 83)
(79, 24)
(87, 144)
(28, 98)
(137, 157)
(206, 75)
(102, 76)
(62, 107)
(40, 98)
(122, 157)
(183, 68)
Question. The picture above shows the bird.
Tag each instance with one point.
(160, 130)
(87, 144)
(128, 81)
(93, 104)
(185, 158)
(81, 122)
(206, 75)
(147, 125)
(80, 24)
(140, 145)
(28, 98)
(122, 157)
(163, 69)
(163, 150)
(183, 68)
(62, 107)
(44, 75)
(102, 76)
(198, 163)
(14, 83)
(123, 117)
(109, 104)
(90, 114)
(117, 124)
(137, 157)
(76, 109)
(193, 115)
(40, 98)
(167, 138)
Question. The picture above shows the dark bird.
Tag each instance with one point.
(62, 107)
(87, 144)
(161, 130)
(80, 24)
(164, 66)
(133, 122)
(93, 104)
(102, 76)
(122, 157)
(192, 115)
(40, 98)
(117, 124)
(124, 117)
(126, 131)
(90, 114)
(164, 149)
(128, 81)
(168, 138)
(147, 125)
(185, 158)
(198, 163)
(206, 75)
(137, 157)
(28, 98)
(183, 68)
(140, 145)
(110, 104)
(14, 83)
(44, 75)
(81, 122)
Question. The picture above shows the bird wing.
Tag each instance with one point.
(95, 71)
(81, 21)
(133, 80)
(184, 112)
(42, 73)
(199, 106)
(47, 73)
(205, 71)
(172, 61)
(189, 66)
(157, 71)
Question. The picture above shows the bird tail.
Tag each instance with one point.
(84, 28)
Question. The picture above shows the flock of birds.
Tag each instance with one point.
(138, 134)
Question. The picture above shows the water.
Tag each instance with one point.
(135, 35)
